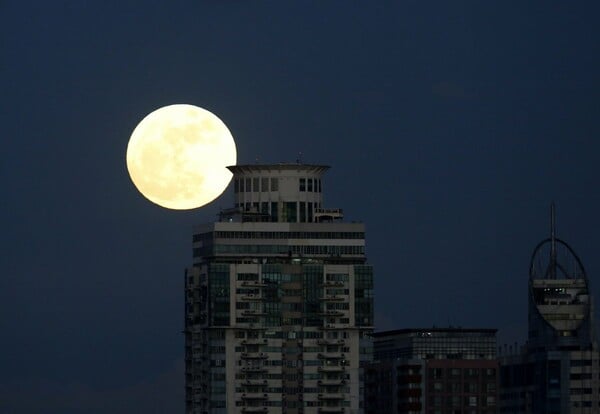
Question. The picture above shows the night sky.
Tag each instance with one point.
(450, 127)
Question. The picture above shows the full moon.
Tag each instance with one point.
(177, 157)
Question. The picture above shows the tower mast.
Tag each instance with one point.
(553, 241)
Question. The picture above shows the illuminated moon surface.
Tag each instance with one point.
(177, 157)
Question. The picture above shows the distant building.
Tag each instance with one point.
(557, 370)
(435, 370)
(279, 301)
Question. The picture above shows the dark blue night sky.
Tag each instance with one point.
(450, 127)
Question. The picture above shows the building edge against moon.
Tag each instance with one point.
(279, 300)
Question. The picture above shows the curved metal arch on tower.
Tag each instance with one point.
(559, 288)
(547, 262)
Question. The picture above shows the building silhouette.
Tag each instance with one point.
(557, 370)
(279, 300)
(433, 370)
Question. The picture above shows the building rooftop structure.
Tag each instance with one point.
(557, 370)
(279, 300)
(436, 343)
(430, 370)
(560, 305)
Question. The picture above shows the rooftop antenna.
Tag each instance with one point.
(299, 159)
(553, 241)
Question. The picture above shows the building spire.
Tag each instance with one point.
(553, 241)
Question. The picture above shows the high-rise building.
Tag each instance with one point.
(557, 370)
(279, 300)
(433, 370)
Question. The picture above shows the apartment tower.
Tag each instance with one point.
(279, 300)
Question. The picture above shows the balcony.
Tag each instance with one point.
(254, 341)
(332, 313)
(331, 382)
(254, 325)
(254, 369)
(324, 341)
(331, 396)
(254, 283)
(255, 409)
(255, 396)
(335, 326)
(328, 214)
(199, 398)
(198, 346)
(333, 298)
(252, 312)
(251, 297)
(254, 382)
(332, 355)
(331, 409)
(199, 356)
(332, 368)
(332, 283)
(254, 355)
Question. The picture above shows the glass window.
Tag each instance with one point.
(255, 184)
(436, 373)
(302, 212)
(274, 184)
(247, 276)
(453, 401)
(264, 184)
(310, 184)
(303, 184)
(248, 184)
(454, 387)
(470, 387)
(437, 386)
(454, 372)
(290, 212)
(435, 401)
(471, 372)
(274, 211)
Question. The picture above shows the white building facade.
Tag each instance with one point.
(279, 301)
